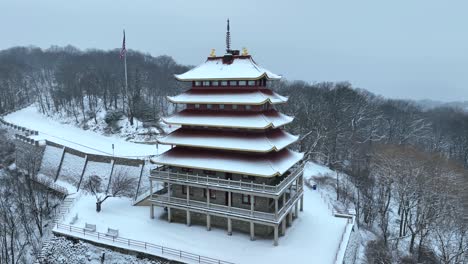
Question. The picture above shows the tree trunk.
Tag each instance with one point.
(98, 206)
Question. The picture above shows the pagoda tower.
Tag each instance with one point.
(229, 165)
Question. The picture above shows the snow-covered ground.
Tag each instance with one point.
(74, 137)
(313, 238)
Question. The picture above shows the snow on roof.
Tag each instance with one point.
(272, 140)
(264, 165)
(233, 119)
(254, 97)
(241, 68)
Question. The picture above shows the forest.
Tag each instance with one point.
(406, 165)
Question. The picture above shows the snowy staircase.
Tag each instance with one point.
(59, 215)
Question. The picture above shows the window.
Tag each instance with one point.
(208, 106)
(224, 83)
(209, 172)
(197, 106)
(187, 170)
(215, 83)
(242, 83)
(184, 190)
(245, 199)
(251, 83)
(197, 83)
(248, 107)
(232, 83)
(248, 178)
(206, 83)
(234, 107)
(212, 194)
(221, 106)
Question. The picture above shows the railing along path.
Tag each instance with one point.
(149, 248)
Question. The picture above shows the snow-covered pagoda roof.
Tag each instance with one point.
(266, 165)
(252, 97)
(237, 68)
(232, 119)
(272, 140)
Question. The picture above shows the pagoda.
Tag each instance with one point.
(229, 165)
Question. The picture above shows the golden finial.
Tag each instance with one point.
(244, 52)
(212, 54)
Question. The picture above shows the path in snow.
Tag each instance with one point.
(74, 137)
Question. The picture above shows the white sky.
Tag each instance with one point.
(402, 48)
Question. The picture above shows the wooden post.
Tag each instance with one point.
(188, 218)
(276, 236)
(208, 222)
(251, 205)
(302, 203)
(169, 216)
(276, 208)
(252, 231)
(152, 211)
(283, 227)
(290, 218)
(296, 214)
(208, 216)
(229, 226)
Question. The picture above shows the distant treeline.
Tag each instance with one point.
(395, 152)
(78, 83)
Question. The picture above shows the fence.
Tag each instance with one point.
(27, 140)
(19, 128)
(148, 247)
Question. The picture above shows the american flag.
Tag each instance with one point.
(123, 50)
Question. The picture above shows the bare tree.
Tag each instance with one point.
(121, 185)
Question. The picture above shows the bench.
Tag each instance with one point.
(112, 232)
(90, 227)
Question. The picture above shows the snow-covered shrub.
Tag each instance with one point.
(113, 116)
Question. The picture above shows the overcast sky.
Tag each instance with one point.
(401, 48)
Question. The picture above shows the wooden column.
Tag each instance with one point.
(229, 220)
(276, 236)
(252, 225)
(296, 213)
(152, 211)
(302, 203)
(252, 204)
(276, 208)
(252, 231)
(169, 215)
(283, 227)
(229, 226)
(188, 203)
(208, 216)
(290, 218)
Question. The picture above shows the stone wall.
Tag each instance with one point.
(29, 156)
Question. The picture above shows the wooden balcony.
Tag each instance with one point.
(163, 174)
(273, 218)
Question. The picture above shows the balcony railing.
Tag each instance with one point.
(164, 200)
(164, 175)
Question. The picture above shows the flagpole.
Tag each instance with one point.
(125, 66)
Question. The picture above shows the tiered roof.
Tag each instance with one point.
(239, 140)
(230, 119)
(271, 140)
(240, 68)
(251, 97)
(264, 165)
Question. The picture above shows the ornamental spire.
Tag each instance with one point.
(228, 39)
